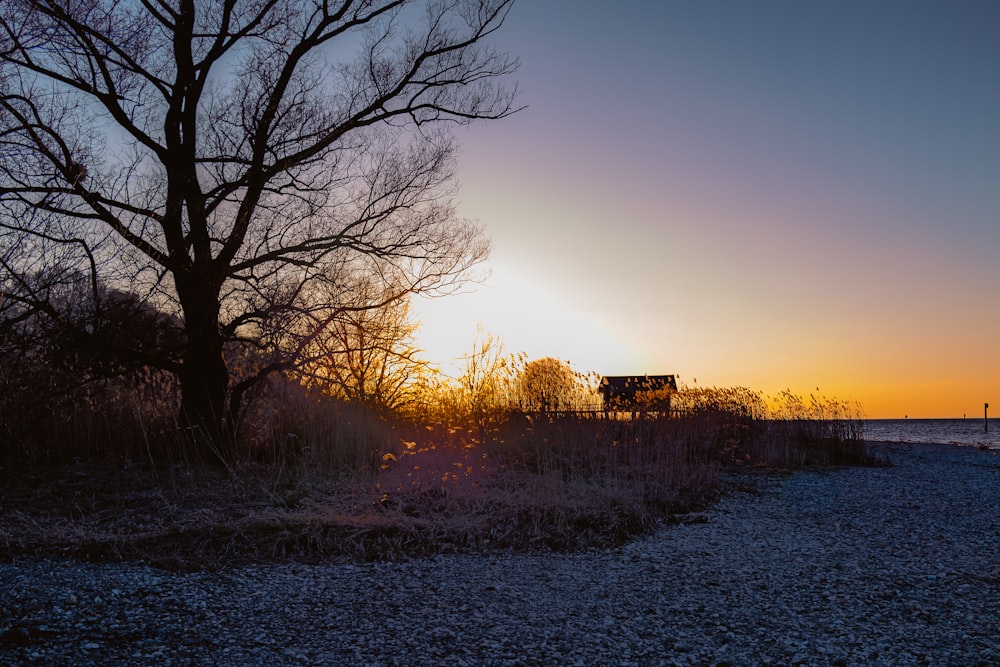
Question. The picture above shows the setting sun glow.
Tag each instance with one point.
(737, 198)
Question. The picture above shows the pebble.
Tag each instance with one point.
(890, 566)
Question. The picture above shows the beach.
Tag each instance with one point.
(896, 565)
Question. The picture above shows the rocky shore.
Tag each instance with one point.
(893, 565)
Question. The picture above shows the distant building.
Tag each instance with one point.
(637, 393)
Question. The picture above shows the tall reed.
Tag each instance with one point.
(478, 460)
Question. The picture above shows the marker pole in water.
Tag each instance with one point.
(986, 418)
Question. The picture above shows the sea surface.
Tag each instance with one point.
(964, 432)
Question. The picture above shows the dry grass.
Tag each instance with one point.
(213, 518)
(315, 478)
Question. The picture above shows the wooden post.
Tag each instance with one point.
(986, 418)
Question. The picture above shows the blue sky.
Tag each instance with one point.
(771, 194)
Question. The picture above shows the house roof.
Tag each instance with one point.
(617, 385)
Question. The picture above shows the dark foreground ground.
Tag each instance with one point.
(185, 519)
(851, 566)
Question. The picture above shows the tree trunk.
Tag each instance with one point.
(204, 376)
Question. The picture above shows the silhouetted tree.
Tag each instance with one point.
(51, 365)
(222, 160)
(366, 353)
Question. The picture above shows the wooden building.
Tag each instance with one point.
(637, 393)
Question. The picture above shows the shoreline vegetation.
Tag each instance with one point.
(317, 478)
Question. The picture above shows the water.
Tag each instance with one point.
(964, 432)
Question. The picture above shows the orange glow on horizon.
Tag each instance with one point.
(888, 382)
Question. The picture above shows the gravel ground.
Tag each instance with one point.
(855, 566)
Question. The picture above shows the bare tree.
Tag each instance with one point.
(221, 159)
(366, 353)
(485, 385)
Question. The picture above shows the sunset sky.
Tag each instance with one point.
(773, 194)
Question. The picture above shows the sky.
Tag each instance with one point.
(773, 194)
